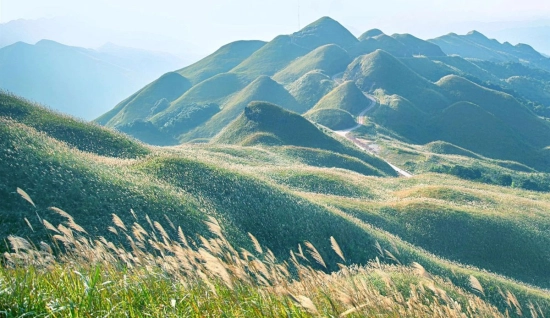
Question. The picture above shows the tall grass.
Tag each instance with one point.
(148, 273)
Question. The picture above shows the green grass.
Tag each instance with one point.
(290, 129)
(381, 70)
(221, 61)
(347, 97)
(262, 89)
(329, 59)
(143, 104)
(335, 119)
(76, 133)
(310, 88)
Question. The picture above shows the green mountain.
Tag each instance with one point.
(337, 109)
(221, 61)
(329, 59)
(270, 58)
(278, 53)
(148, 101)
(381, 70)
(476, 45)
(75, 133)
(82, 82)
(275, 193)
(310, 88)
(322, 32)
(399, 45)
(262, 89)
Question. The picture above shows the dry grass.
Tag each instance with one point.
(145, 274)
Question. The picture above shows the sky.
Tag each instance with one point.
(203, 26)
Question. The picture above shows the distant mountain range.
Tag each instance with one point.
(77, 81)
(467, 90)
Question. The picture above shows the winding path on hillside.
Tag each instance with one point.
(362, 145)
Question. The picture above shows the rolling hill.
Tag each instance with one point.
(478, 46)
(337, 109)
(276, 194)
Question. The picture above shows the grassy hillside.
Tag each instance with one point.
(381, 70)
(289, 129)
(76, 133)
(503, 106)
(198, 104)
(419, 47)
(82, 82)
(399, 45)
(347, 97)
(276, 193)
(310, 88)
(402, 117)
(221, 61)
(270, 58)
(148, 101)
(333, 118)
(262, 89)
(329, 59)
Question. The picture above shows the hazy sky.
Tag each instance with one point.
(207, 24)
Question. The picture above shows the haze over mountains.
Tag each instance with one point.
(77, 81)
(300, 141)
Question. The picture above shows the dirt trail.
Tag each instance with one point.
(363, 145)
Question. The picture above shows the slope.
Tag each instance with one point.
(221, 61)
(476, 45)
(83, 136)
(381, 70)
(265, 123)
(324, 31)
(146, 102)
(262, 89)
(503, 106)
(310, 88)
(329, 59)
(337, 109)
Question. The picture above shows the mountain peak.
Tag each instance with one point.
(477, 35)
(370, 34)
(324, 31)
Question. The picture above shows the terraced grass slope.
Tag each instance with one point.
(221, 61)
(147, 102)
(262, 89)
(329, 59)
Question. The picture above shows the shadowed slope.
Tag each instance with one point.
(262, 89)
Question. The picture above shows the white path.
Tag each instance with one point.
(360, 122)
